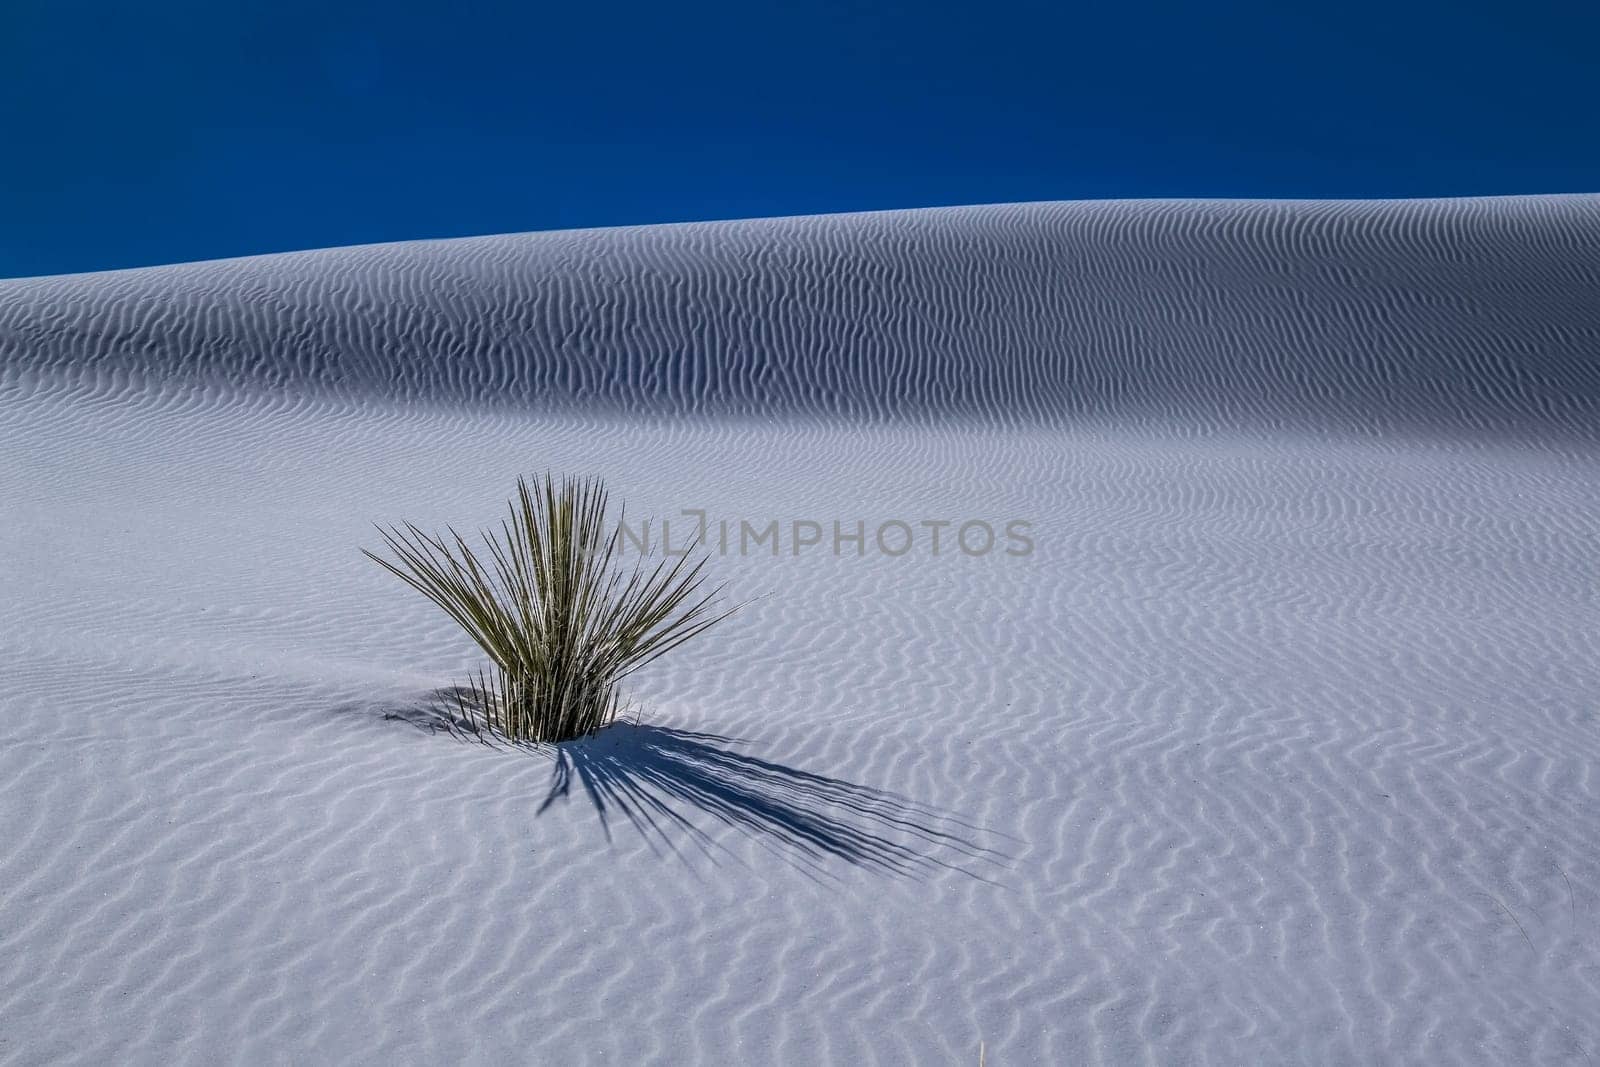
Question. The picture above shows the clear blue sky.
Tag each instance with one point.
(162, 132)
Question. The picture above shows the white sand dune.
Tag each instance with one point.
(1280, 746)
(1457, 313)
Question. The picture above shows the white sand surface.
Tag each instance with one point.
(1281, 746)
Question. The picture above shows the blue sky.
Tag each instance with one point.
(163, 132)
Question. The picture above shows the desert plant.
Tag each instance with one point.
(562, 621)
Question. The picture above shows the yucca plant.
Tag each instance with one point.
(562, 621)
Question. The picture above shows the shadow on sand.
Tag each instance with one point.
(656, 777)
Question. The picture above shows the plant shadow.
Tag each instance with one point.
(654, 778)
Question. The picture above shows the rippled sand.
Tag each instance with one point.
(1279, 746)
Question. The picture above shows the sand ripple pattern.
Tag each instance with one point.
(1281, 748)
(1444, 314)
(1275, 752)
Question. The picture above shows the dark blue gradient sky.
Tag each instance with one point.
(138, 134)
